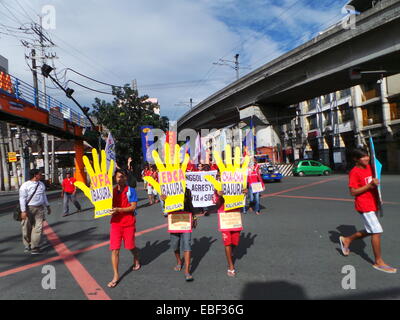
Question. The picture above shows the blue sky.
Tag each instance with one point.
(168, 46)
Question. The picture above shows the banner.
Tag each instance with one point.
(110, 150)
(180, 222)
(230, 221)
(233, 178)
(100, 192)
(171, 178)
(147, 140)
(377, 168)
(202, 189)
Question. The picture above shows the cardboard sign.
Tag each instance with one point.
(232, 186)
(171, 178)
(230, 221)
(180, 222)
(202, 189)
(257, 187)
(233, 178)
(100, 192)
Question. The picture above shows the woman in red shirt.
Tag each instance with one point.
(255, 186)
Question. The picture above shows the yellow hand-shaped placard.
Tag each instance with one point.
(233, 178)
(100, 192)
(171, 178)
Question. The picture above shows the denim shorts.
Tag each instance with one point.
(181, 241)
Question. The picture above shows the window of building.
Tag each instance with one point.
(372, 114)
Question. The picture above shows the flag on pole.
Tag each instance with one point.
(197, 150)
(147, 141)
(377, 168)
(110, 151)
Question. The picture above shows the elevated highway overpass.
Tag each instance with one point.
(315, 68)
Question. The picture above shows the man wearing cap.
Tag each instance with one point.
(68, 193)
(33, 213)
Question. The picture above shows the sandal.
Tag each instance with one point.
(188, 277)
(112, 284)
(231, 273)
(386, 269)
(178, 267)
(345, 251)
(137, 267)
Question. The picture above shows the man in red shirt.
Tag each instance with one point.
(123, 223)
(363, 186)
(68, 193)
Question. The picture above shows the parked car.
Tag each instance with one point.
(310, 167)
(270, 172)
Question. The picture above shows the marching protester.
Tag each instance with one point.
(181, 242)
(255, 187)
(145, 172)
(68, 193)
(33, 201)
(123, 223)
(151, 192)
(131, 173)
(363, 187)
(230, 238)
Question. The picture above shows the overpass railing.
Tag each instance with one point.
(19, 89)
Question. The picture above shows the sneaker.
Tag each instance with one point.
(65, 215)
(27, 249)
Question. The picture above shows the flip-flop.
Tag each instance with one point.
(112, 284)
(386, 269)
(231, 273)
(137, 267)
(188, 277)
(345, 251)
(178, 267)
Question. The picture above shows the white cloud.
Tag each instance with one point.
(158, 41)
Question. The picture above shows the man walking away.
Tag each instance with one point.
(68, 193)
(33, 213)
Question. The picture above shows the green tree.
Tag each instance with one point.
(123, 117)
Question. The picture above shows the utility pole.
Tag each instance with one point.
(233, 64)
(45, 136)
(35, 78)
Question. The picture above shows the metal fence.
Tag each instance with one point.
(23, 91)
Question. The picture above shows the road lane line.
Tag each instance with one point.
(89, 286)
(71, 253)
(329, 199)
(297, 188)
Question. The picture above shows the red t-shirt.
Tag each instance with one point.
(358, 178)
(68, 185)
(123, 199)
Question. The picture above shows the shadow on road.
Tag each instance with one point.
(152, 251)
(148, 254)
(275, 290)
(283, 290)
(199, 249)
(356, 247)
(246, 241)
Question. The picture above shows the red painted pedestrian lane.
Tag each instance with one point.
(89, 286)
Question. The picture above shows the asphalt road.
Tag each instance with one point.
(288, 252)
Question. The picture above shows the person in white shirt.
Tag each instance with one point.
(33, 213)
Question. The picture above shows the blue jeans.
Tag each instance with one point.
(254, 198)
